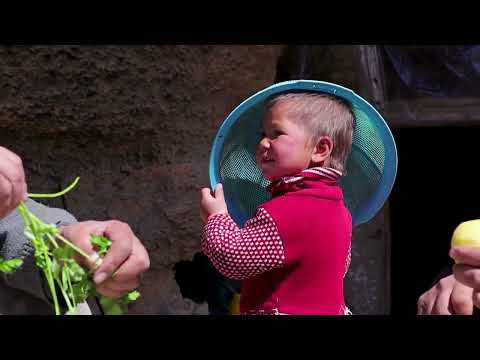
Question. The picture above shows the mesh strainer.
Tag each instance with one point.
(371, 166)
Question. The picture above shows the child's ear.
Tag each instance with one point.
(322, 150)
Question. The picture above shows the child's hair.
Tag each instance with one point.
(323, 115)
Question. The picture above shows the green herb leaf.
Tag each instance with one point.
(76, 271)
(134, 295)
(101, 244)
(64, 252)
(112, 306)
(8, 266)
(82, 290)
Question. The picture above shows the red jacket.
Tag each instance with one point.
(292, 255)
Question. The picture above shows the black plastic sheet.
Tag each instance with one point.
(438, 71)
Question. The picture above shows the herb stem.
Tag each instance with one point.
(77, 249)
(63, 192)
(65, 296)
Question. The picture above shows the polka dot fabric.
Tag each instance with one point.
(243, 253)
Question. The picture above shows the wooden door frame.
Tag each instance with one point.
(371, 81)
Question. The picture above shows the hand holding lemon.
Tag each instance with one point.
(466, 253)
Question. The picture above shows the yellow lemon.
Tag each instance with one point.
(467, 234)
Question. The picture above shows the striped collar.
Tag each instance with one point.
(295, 182)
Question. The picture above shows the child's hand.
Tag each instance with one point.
(210, 205)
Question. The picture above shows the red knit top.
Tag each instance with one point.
(294, 253)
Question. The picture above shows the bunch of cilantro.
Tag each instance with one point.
(55, 256)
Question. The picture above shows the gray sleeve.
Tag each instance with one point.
(15, 245)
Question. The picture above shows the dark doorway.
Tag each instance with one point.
(437, 188)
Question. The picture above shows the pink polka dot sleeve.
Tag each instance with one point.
(243, 253)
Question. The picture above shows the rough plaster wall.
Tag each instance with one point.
(367, 285)
(136, 123)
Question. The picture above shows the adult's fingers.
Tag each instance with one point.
(121, 237)
(469, 255)
(461, 299)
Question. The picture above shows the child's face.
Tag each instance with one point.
(285, 147)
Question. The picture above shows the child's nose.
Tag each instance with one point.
(264, 143)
